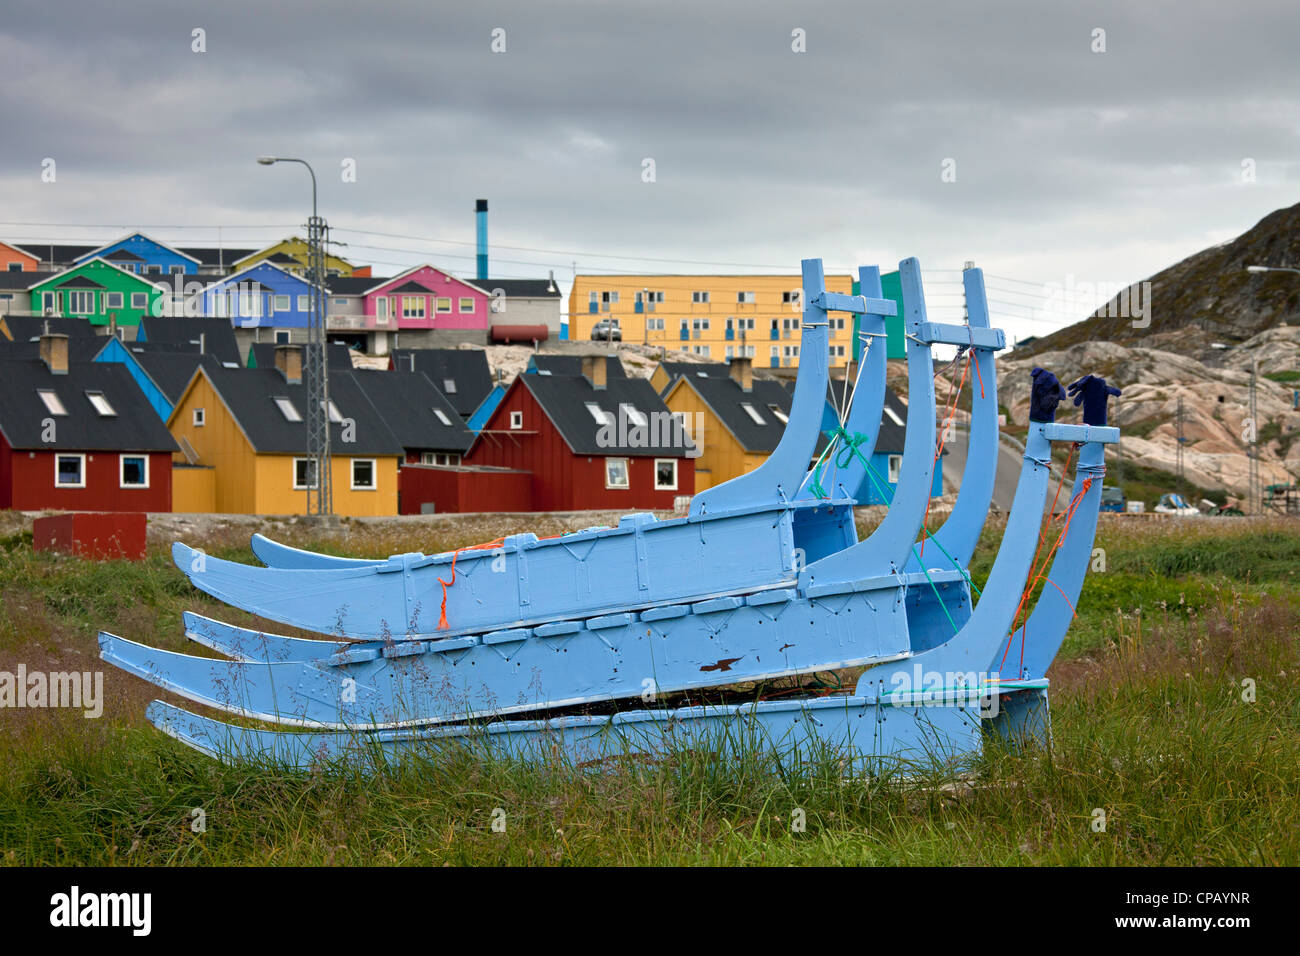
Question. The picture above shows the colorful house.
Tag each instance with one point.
(99, 292)
(79, 437)
(160, 374)
(293, 255)
(144, 256)
(462, 375)
(427, 299)
(14, 259)
(714, 317)
(243, 439)
(589, 441)
(260, 296)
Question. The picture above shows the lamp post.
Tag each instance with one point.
(316, 367)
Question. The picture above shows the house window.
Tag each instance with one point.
(602, 417)
(112, 300)
(444, 303)
(70, 471)
(449, 386)
(52, 403)
(177, 270)
(148, 270)
(791, 297)
(439, 458)
(467, 305)
(665, 474)
(633, 414)
(139, 300)
(616, 473)
(700, 325)
(200, 418)
(701, 350)
(516, 419)
(700, 298)
(895, 467)
(413, 306)
(779, 413)
(332, 412)
(286, 409)
(654, 325)
(133, 471)
(282, 337)
(363, 474)
(753, 414)
(49, 301)
(442, 416)
(15, 267)
(381, 309)
(81, 303)
(304, 303)
(304, 473)
(282, 303)
(101, 404)
(744, 298)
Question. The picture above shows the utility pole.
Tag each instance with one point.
(1256, 495)
(1179, 421)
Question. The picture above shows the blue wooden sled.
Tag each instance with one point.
(764, 578)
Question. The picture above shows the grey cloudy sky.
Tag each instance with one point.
(1069, 162)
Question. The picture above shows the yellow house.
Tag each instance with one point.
(293, 255)
(243, 439)
(716, 317)
(735, 420)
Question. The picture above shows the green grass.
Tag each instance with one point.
(1148, 721)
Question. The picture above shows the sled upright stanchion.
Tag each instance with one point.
(551, 643)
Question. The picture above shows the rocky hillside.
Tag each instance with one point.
(1206, 298)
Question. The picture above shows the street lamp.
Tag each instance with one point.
(1272, 269)
(317, 368)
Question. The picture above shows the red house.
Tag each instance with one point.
(591, 441)
(79, 437)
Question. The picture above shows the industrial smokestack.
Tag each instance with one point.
(480, 214)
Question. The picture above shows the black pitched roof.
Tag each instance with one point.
(185, 330)
(282, 258)
(564, 399)
(572, 365)
(57, 252)
(411, 285)
(262, 355)
(250, 395)
(79, 282)
(135, 427)
(523, 288)
(172, 371)
(727, 401)
(215, 255)
(406, 402)
(892, 433)
(466, 368)
(352, 285)
(81, 348)
(676, 370)
(31, 326)
(123, 255)
(22, 280)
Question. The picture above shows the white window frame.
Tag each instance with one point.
(374, 474)
(601, 416)
(121, 471)
(627, 475)
(103, 407)
(303, 487)
(276, 306)
(449, 386)
(415, 306)
(894, 469)
(634, 415)
(438, 300)
(699, 298)
(381, 308)
(199, 417)
(745, 298)
(139, 300)
(665, 461)
(304, 303)
(287, 408)
(282, 337)
(61, 484)
(516, 420)
(466, 300)
(50, 399)
(439, 414)
(753, 414)
(113, 300)
(75, 300)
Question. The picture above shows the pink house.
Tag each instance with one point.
(426, 298)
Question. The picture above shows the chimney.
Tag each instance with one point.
(594, 369)
(288, 361)
(54, 352)
(742, 372)
(480, 216)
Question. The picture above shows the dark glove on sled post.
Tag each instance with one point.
(1047, 393)
(1093, 393)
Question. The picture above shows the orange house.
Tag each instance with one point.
(13, 259)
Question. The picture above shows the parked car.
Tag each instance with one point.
(1112, 499)
(606, 330)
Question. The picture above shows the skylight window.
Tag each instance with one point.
(449, 386)
(441, 416)
(602, 417)
(101, 404)
(634, 415)
(893, 416)
(51, 400)
(333, 411)
(778, 413)
(752, 412)
(287, 410)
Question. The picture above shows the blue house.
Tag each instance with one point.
(144, 256)
(479, 419)
(262, 296)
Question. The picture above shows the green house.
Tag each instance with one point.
(97, 291)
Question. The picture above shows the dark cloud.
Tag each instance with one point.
(1106, 166)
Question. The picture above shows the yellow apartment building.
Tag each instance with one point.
(716, 317)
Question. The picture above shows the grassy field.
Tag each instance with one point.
(1149, 722)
